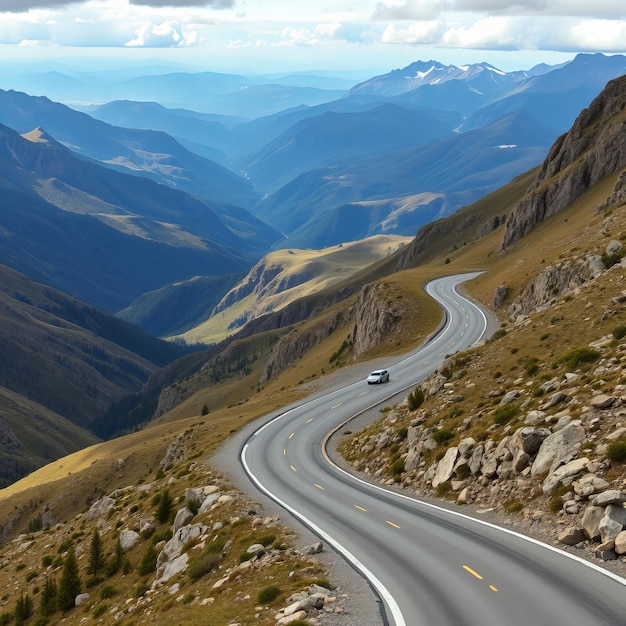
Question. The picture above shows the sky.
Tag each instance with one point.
(288, 35)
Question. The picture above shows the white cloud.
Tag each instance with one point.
(421, 32)
(164, 35)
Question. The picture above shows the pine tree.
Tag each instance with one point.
(115, 562)
(23, 609)
(148, 562)
(165, 507)
(70, 585)
(96, 555)
(48, 601)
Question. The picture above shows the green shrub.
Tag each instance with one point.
(141, 589)
(416, 399)
(165, 508)
(108, 591)
(619, 332)
(402, 433)
(442, 435)
(444, 488)
(513, 506)
(532, 368)
(267, 540)
(397, 467)
(616, 451)
(148, 561)
(268, 594)
(579, 356)
(100, 610)
(322, 582)
(504, 414)
(609, 260)
(555, 503)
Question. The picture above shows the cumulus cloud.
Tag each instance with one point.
(164, 35)
(316, 35)
(410, 10)
(430, 9)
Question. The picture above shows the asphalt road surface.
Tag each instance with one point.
(429, 566)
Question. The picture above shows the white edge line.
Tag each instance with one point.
(393, 607)
(537, 542)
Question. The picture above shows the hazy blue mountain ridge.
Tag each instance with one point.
(125, 247)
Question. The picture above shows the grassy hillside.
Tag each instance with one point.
(219, 395)
(285, 276)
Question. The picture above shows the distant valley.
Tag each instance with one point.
(198, 206)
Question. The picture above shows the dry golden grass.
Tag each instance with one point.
(70, 484)
(39, 555)
(308, 271)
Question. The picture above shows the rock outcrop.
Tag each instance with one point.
(376, 316)
(294, 345)
(593, 148)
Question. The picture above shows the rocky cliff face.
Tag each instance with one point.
(595, 147)
(294, 345)
(375, 317)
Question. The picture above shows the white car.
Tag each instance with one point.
(378, 376)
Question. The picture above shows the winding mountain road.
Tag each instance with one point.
(430, 566)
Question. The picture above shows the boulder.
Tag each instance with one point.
(589, 484)
(612, 496)
(620, 543)
(509, 397)
(168, 569)
(528, 439)
(591, 521)
(100, 508)
(183, 517)
(466, 446)
(564, 474)
(445, 467)
(559, 448)
(571, 535)
(476, 459)
(81, 598)
(412, 460)
(602, 401)
(314, 548)
(174, 546)
(612, 523)
(128, 539)
(534, 417)
(209, 502)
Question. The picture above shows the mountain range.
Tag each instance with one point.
(133, 223)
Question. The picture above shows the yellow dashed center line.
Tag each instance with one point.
(292, 435)
(293, 468)
(319, 486)
(284, 451)
(392, 524)
(493, 588)
(356, 506)
(472, 572)
(309, 420)
(336, 406)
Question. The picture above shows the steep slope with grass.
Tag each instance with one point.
(527, 428)
(285, 276)
(62, 363)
